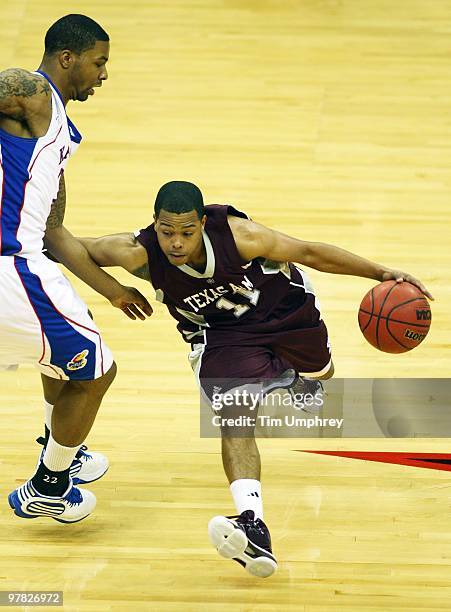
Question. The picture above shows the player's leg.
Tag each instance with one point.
(310, 383)
(227, 367)
(51, 388)
(306, 346)
(88, 465)
(70, 349)
(50, 492)
(242, 467)
(241, 459)
(326, 375)
(73, 415)
(304, 343)
(244, 537)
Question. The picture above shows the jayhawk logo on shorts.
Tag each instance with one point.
(78, 361)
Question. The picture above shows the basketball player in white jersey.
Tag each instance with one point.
(42, 319)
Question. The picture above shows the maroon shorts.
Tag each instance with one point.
(299, 341)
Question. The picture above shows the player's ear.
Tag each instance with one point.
(66, 59)
(203, 221)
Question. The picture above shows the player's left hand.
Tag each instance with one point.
(132, 303)
(400, 276)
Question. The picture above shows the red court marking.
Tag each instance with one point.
(430, 461)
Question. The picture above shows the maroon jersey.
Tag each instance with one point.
(230, 295)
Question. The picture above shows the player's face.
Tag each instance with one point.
(180, 236)
(89, 70)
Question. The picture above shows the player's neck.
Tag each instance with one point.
(56, 79)
(198, 260)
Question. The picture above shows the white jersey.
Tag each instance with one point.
(30, 171)
(42, 319)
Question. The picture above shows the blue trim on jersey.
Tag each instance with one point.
(75, 135)
(16, 156)
(65, 342)
(13, 137)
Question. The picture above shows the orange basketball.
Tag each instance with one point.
(394, 317)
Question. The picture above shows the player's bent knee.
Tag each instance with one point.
(330, 372)
(97, 386)
(235, 432)
(105, 381)
(112, 371)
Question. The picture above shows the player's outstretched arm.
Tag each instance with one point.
(73, 254)
(122, 250)
(255, 240)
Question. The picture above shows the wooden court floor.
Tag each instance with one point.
(326, 119)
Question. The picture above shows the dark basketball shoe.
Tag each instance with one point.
(245, 540)
(306, 386)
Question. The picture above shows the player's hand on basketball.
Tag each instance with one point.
(400, 276)
(132, 303)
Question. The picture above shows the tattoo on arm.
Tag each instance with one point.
(22, 84)
(56, 216)
(142, 272)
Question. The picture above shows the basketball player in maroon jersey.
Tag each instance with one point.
(248, 313)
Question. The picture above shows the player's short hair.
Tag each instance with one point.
(77, 33)
(179, 197)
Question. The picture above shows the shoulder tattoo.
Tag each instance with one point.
(22, 84)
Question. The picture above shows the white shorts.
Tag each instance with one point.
(43, 321)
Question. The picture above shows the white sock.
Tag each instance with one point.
(247, 495)
(58, 458)
(48, 414)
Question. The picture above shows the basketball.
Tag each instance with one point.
(394, 317)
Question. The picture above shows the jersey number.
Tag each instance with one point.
(239, 309)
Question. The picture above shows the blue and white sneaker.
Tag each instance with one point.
(75, 505)
(86, 467)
